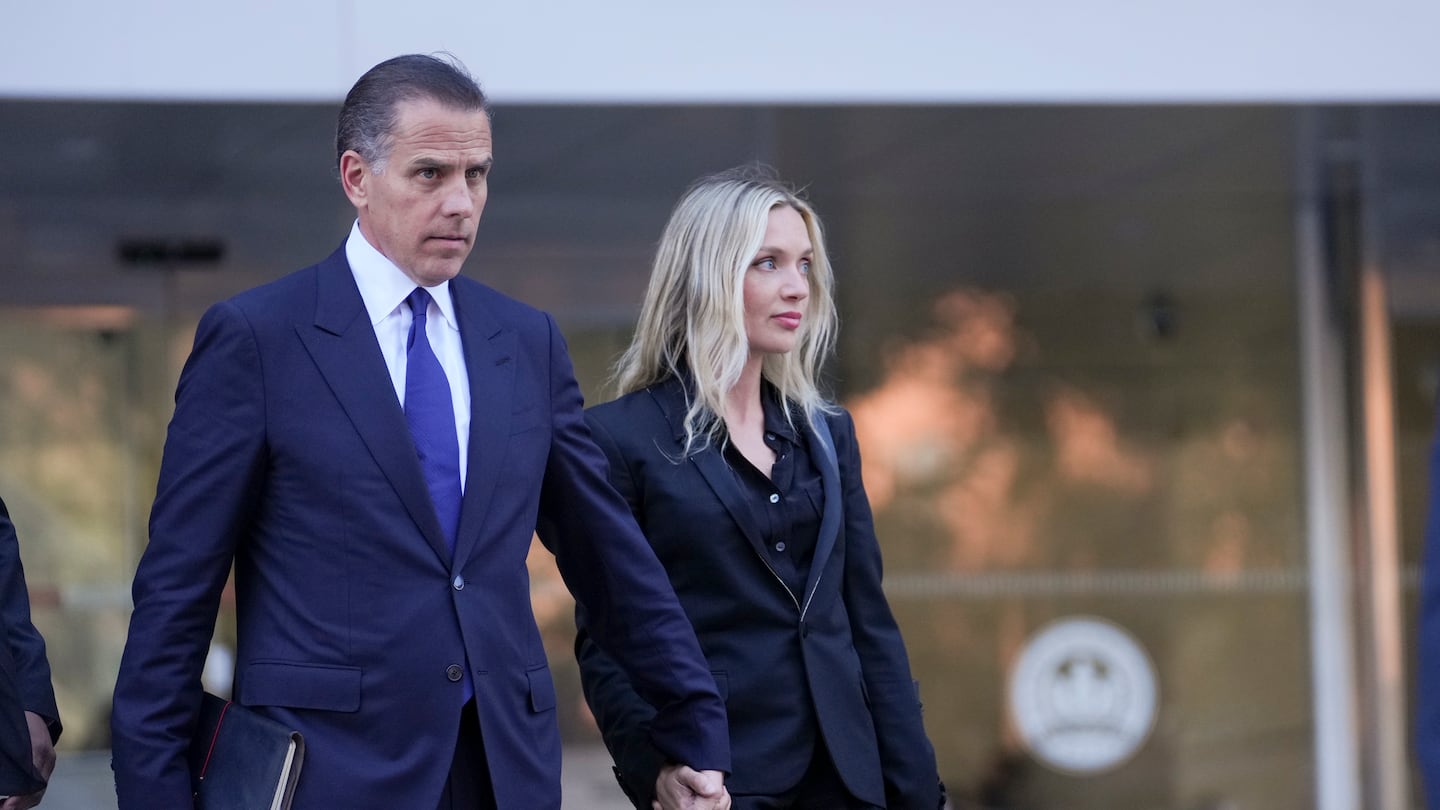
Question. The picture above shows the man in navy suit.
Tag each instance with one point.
(29, 722)
(372, 442)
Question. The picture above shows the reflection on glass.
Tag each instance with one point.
(1010, 494)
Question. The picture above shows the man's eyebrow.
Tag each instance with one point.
(427, 162)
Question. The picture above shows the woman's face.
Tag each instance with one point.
(777, 284)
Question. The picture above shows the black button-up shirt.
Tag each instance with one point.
(788, 504)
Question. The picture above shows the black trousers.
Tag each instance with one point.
(468, 787)
(819, 789)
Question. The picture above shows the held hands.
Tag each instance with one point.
(680, 787)
(43, 752)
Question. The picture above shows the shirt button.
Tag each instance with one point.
(774, 498)
(780, 546)
(459, 583)
(454, 673)
(770, 437)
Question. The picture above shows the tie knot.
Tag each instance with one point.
(419, 301)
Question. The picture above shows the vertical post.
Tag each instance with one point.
(1327, 516)
(1387, 786)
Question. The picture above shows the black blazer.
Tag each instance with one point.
(829, 659)
(24, 671)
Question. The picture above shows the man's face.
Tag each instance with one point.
(421, 209)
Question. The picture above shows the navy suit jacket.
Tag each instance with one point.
(289, 454)
(24, 671)
(1427, 679)
(788, 664)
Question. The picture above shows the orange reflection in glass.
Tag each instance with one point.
(1087, 447)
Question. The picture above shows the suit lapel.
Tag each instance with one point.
(490, 362)
(670, 395)
(822, 450)
(342, 343)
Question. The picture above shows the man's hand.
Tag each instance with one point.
(43, 753)
(680, 787)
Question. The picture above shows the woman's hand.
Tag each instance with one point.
(680, 787)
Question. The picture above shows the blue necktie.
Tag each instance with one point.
(430, 412)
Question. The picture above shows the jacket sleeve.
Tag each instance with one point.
(622, 715)
(622, 592)
(26, 646)
(210, 479)
(1427, 725)
(907, 759)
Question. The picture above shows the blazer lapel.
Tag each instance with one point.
(822, 450)
(670, 395)
(489, 360)
(342, 343)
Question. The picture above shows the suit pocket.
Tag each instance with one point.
(301, 686)
(542, 689)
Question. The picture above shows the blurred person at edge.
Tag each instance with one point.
(746, 481)
(29, 721)
(373, 441)
(1427, 689)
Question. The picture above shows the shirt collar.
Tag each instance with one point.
(775, 421)
(383, 287)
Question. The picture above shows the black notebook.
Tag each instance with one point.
(242, 760)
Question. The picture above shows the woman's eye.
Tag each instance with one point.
(805, 267)
(766, 264)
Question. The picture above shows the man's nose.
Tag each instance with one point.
(458, 201)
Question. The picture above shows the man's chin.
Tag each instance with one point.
(437, 272)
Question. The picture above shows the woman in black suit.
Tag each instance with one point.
(747, 483)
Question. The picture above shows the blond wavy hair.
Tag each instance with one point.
(692, 322)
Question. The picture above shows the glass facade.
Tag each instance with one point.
(1069, 339)
(1070, 347)
(80, 438)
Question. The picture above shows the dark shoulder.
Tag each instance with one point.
(629, 426)
(656, 412)
(508, 310)
(293, 291)
(636, 406)
(494, 299)
(840, 424)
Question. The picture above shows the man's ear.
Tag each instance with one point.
(355, 177)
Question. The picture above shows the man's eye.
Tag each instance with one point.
(428, 174)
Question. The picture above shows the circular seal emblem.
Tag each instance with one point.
(1083, 695)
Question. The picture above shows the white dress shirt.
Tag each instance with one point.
(384, 289)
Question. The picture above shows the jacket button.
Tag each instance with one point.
(458, 583)
(774, 498)
(454, 673)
